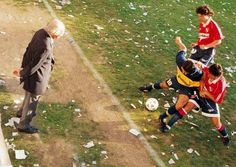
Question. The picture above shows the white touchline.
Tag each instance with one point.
(96, 75)
(4, 156)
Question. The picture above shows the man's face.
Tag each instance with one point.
(202, 18)
(212, 77)
(183, 71)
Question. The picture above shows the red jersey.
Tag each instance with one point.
(209, 32)
(216, 88)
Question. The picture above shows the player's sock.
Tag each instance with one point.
(172, 110)
(157, 85)
(223, 131)
(225, 137)
(177, 116)
(146, 88)
(163, 115)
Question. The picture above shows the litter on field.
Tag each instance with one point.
(135, 132)
(98, 27)
(171, 161)
(197, 153)
(58, 7)
(2, 33)
(14, 134)
(17, 101)
(2, 82)
(89, 144)
(153, 137)
(140, 102)
(104, 152)
(5, 107)
(11, 121)
(233, 133)
(77, 110)
(20, 154)
(176, 156)
(190, 150)
(133, 106)
(131, 6)
(191, 123)
(228, 123)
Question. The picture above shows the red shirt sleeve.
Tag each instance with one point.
(216, 31)
(205, 69)
(219, 92)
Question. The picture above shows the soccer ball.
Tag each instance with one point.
(151, 104)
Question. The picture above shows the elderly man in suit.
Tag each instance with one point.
(35, 71)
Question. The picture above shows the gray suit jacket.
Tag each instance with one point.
(37, 63)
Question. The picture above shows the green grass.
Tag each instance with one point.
(128, 33)
(58, 122)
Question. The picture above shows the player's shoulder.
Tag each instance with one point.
(213, 23)
(221, 82)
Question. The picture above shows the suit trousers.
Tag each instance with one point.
(28, 109)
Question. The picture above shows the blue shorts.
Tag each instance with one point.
(204, 56)
(188, 91)
(209, 108)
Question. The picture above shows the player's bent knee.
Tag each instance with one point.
(179, 105)
(164, 85)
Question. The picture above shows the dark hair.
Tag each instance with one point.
(205, 10)
(216, 70)
(188, 66)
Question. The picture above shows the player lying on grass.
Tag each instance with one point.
(186, 81)
(211, 93)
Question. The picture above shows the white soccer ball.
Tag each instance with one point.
(151, 104)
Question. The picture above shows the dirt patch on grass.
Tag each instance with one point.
(79, 84)
(55, 152)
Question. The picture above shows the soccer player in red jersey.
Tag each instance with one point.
(209, 36)
(211, 93)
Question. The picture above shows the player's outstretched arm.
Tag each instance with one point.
(180, 44)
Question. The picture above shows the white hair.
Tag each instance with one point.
(55, 27)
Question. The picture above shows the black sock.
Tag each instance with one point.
(157, 85)
(223, 131)
(174, 119)
(172, 110)
(163, 115)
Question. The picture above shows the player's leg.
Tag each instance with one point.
(151, 86)
(211, 109)
(183, 97)
(221, 129)
(204, 56)
(179, 115)
(181, 102)
(215, 118)
(196, 53)
(19, 112)
(208, 56)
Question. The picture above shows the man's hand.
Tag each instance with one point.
(193, 44)
(16, 72)
(202, 93)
